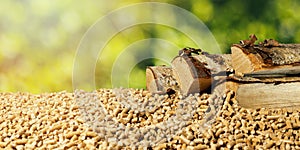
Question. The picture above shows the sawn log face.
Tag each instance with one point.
(191, 74)
(160, 78)
(259, 57)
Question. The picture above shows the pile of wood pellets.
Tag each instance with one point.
(80, 120)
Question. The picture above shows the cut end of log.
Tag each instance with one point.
(242, 63)
(151, 80)
(159, 79)
(191, 74)
(264, 56)
(266, 75)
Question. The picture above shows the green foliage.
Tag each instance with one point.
(38, 39)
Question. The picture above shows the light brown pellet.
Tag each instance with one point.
(272, 117)
(219, 131)
(198, 140)
(50, 142)
(91, 134)
(3, 144)
(161, 146)
(71, 144)
(269, 144)
(201, 147)
(55, 127)
(71, 134)
(21, 141)
(184, 139)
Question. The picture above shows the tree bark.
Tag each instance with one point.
(259, 57)
(266, 75)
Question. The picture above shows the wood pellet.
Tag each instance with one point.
(76, 120)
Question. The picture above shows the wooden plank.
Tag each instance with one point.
(258, 95)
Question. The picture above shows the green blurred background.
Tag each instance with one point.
(38, 39)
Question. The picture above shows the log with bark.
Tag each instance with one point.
(195, 73)
(192, 75)
(259, 57)
(189, 74)
(266, 75)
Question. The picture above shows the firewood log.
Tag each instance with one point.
(264, 57)
(159, 79)
(258, 95)
(194, 73)
(268, 74)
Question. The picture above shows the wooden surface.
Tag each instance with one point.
(242, 63)
(260, 57)
(191, 74)
(266, 75)
(216, 62)
(258, 95)
(160, 78)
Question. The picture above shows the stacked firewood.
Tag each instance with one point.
(266, 74)
(248, 100)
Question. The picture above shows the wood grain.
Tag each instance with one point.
(258, 95)
(259, 57)
(191, 74)
(159, 79)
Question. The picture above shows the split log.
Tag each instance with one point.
(194, 73)
(279, 72)
(268, 75)
(258, 95)
(279, 75)
(277, 88)
(159, 79)
(264, 57)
